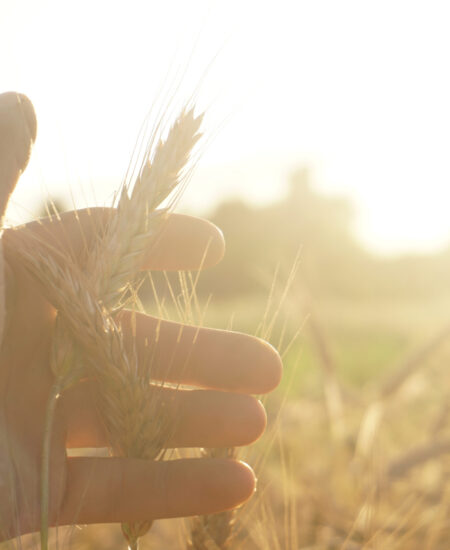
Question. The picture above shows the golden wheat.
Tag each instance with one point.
(85, 299)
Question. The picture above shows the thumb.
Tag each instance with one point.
(17, 135)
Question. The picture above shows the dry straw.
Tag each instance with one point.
(88, 333)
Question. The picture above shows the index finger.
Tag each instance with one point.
(184, 242)
(17, 134)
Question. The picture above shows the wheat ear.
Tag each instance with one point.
(118, 253)
(128, 407)
(117, 260)
(113, 265)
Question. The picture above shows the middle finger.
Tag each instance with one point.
(203, 357)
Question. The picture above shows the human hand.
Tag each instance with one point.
(227, 367)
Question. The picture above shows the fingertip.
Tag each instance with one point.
(205, 243)
(239, 484)
(216, 485)
(17, 135)
(250, 420)
(260, 422)
(186, 243)
(247, 481)
(271, 366)
(236, 362)
(216, 247)
(265, 367)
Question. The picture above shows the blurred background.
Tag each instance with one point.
(325, 163)
(358, 90)
(326, 135)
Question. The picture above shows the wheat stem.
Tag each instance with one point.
(45, 462)
(84, 305)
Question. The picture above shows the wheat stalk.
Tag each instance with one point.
(116, 258)
(128, 405)
(112, 267)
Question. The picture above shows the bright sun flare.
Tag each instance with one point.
(360, 89)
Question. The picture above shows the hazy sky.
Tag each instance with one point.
(360, 89)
